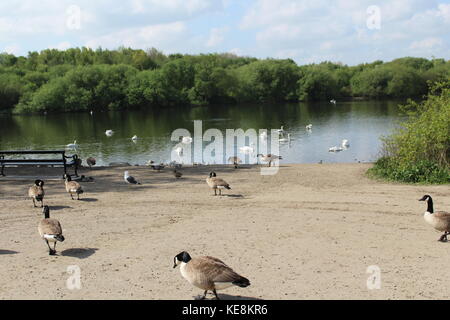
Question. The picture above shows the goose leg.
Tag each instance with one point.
(215, 192)
(51, 252)
(71, 196)
(215, 293)
(78, 196)
(34, 203)
(54, 247)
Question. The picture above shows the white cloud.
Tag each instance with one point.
(12, 49)
(428, 43)
(216, 36)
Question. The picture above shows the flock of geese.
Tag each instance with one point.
(204, 272)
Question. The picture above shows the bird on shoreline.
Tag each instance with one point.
(177, 174)
(50, 230)
(91, 162)
(72, 187)
(36, 192)
(217, 183)
(269, 158)
(129, 179)
(440, 220)
(235, 160)
(208, 273)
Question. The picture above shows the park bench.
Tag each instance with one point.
(13, 159)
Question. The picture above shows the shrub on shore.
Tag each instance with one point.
(419, 150)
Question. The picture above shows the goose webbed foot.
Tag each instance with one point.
(203, 297)
(51, 252)
(443, 238)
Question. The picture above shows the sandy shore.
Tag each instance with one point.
(309, 232)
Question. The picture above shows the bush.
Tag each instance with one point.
(419, 150)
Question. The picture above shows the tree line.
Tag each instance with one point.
(86, 79)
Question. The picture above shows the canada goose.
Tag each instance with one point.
(208, 273)
(129, 179)
(36, 192)
(50, 230)
(345, 144)
(335, 149)
(186, 140)
(235, 160)
(309, 127)
(217, 183)
(177, 174)
(109, 133)
(440, 220)
(269, 158)
(72, 145)
(91, 162)
(72, 187)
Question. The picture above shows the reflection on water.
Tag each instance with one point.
(360, 122)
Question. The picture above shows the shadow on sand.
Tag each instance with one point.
(88, 199)
(7, 252)
(56, 208)
(223, 296)
(80, 253)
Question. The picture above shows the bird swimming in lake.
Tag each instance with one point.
(109, 133)
(345, 144)
(335, 149)
(309, 127)
(288, 139)
(186, 140)
(281, 130)
(73, 145)
(134, 138)
(440, 220)
(50, 230)
(129, 179)
(36, 192)
(208, 273)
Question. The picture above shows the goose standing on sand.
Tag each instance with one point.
(37, 193)
(217, 183)
(73, 145)
(269, 158)
(109, 133)
(50, 230)
(208, 273)
(177, 174)
(72, 187)
(235, 160)
(91, 162)
(129, 179)
(440, 220)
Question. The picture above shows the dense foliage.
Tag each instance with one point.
(86, 79)
(419, 150)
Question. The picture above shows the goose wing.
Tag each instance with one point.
(131, 180)
(214, 269)
(220, 182)
(442, 215)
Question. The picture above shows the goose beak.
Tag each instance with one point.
(174, 262)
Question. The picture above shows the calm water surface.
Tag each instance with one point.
(360, 122)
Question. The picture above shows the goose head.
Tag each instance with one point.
(425, 198)
(67, 177)
(46, 212)
(39, 183)
(212, 174)
(181, 257)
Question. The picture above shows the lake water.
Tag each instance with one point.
(360, 122)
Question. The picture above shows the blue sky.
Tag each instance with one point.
(351, 31)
